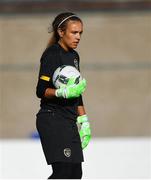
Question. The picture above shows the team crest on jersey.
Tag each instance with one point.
(67, 152)
(76, 63)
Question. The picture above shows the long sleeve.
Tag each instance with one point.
(48, 65)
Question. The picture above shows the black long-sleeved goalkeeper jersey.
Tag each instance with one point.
(51, 59)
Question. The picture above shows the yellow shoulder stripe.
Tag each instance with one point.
(45, 78)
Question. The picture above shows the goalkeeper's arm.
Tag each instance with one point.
(43, 89)
(69, 91)
(81, 110)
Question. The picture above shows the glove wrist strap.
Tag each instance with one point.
(56, 93)
(82, 119)
(59, 93)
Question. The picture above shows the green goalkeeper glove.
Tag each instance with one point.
(71, 90)
(85, 131)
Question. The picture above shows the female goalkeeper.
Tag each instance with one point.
(62, 108)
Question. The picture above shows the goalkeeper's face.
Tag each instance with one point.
(70, 38)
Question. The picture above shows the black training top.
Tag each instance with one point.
(51, 59)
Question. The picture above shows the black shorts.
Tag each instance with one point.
(59, 137)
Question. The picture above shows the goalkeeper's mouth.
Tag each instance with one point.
(75, 44)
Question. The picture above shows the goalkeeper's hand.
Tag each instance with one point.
(71, 90)
(85, 131)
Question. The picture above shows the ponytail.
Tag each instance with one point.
(53, 39)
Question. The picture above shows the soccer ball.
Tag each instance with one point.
(62, 75)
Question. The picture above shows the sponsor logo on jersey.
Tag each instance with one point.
(67, 152)
(76, 63)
